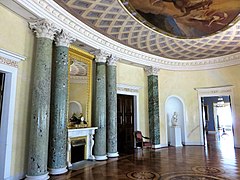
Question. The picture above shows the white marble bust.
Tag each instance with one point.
(174, 119)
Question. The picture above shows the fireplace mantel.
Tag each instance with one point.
(81, 132)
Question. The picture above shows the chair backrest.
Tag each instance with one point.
(138, 136)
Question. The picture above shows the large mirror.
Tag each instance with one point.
(80, 88)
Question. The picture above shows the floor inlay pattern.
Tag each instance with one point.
(190, 176)
(143, 175)
(207, 170)
(215, 161)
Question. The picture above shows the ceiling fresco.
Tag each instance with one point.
(185, 18)
(111, 18)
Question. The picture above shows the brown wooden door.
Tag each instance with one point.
(125, 123)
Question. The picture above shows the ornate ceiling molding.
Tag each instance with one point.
(50, 10)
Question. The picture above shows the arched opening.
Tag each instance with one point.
(175, 111)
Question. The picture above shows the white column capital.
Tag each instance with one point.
(101, 56)
(150, 70)
(64, 39)
(44, 28)
(112, 60)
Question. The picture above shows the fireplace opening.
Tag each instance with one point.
(77, 150)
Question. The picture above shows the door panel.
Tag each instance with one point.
(125, 122)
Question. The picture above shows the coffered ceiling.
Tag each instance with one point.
(111, 18)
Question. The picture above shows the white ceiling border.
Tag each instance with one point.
(50, 10)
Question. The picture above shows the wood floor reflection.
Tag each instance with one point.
(214, 161)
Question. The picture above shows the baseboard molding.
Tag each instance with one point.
(16, 177)
(157, 146)
(193, 144)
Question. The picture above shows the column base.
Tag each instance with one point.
(57, 171)
(41, 177)
(101, 158)
(113, 155)
(156, 146)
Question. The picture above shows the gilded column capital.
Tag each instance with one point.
(64, 39)
(152, 70)
(101, 56)
(112, 60)
(44, 28)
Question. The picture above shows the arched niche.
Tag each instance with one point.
(175, 104)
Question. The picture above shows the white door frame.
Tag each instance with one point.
(133, 91)
(8, 65)
(216, 91)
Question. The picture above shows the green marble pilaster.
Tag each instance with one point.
(40, 107)
(153, 107)
(57, 157)
(99, 120)
(111, 108)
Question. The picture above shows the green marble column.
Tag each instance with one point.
(153, 106)
(40, 107)
(111, 108)
(57, 157)
(100, 107)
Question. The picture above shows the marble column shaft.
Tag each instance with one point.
(40, 109)
(153, 109)
(57, 158)
(100, 110)
(111, 109)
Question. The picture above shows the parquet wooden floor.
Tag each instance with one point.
(216, 161)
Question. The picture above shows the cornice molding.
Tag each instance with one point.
(52, 11)
(215, 90)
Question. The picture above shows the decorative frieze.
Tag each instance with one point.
(127, 88)
(64, 39)
(8, 62)
(44, 28)
(152, 70)
(90, 37)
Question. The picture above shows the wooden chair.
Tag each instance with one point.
(140, 143)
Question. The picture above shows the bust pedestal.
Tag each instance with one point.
(176, 139)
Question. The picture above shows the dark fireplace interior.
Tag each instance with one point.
(77, 150)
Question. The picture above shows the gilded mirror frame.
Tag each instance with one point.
(82, 56)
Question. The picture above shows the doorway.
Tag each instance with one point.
(217, 117)
(125, 123)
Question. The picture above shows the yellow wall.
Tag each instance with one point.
(136, 76)
(16, 37)
(182, 84)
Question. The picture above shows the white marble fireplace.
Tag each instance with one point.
(84, 133)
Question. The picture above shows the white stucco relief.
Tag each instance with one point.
(50, 10)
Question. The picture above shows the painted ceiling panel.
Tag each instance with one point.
(110, 18)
